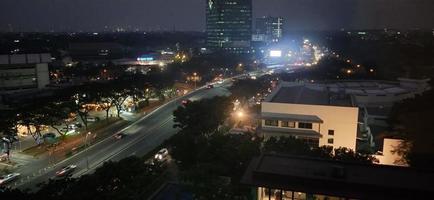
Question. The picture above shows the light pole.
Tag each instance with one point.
(195, 79)
(86, 145)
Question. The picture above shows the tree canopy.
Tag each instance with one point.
(412, 119)
(202, 117)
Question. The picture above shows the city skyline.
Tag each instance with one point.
(189, 15)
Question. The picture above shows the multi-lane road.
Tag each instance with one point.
(143, 136)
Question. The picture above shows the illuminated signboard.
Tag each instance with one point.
(145, 59)
(275, 53)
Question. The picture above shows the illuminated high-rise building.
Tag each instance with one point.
(229, 25)
(269, 28)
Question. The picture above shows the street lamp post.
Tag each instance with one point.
(86, 145)
(195, 79)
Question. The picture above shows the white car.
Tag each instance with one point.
(91, 119)
(68, 131)
(162, 154)
(66, 171)
(8, 178)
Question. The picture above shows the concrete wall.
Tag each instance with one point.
(343, 120)
(25, 77)
(18, 78)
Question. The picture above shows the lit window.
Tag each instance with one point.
(304, 125)
(288, 124)
(271, 122)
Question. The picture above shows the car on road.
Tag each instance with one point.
(210, 86)
(92, 119)
(119, 135)
(8, 178)
(68, 131)
(65, 171)
(162, 154)
(185, 102)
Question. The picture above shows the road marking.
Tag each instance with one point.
(141, 137)
(128, 145)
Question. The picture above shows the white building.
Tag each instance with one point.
(24, 71)
(389, 156)
(314, 114)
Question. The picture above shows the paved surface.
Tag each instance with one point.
(143, 136)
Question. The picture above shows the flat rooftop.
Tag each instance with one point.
(345, 179)
(303, 94)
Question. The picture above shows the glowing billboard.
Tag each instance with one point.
(275, 53)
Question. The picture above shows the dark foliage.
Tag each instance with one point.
(412, 119)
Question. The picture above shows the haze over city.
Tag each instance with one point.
(216, 99)
(188, 15)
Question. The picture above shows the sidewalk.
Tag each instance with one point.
(26, 150)
(23, 144)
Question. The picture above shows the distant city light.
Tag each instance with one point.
(275, 53)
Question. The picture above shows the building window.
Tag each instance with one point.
(271, 122)
(288, 124)
(305, 125)
(331, 132)
(330, 141)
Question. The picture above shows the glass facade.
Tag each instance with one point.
(229, 25)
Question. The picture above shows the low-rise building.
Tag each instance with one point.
(286, 177)
(24, 71)
(314, 114)
(388, 155)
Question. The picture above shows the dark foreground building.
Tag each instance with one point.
(276, 177)
(229, 25)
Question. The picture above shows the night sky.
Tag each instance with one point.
(186, 15)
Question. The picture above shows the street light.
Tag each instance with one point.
(240, 114)
(195, 78)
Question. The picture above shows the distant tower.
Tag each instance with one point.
(229, 25)
(270, 28)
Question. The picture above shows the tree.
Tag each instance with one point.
(412, 120)
(127, 179)
(57, 114)
(245, 89)
(294, 146)
(209, 112)
(81, 99)
(8, 123)
(214, 165)
(8, 130)
(31, 117)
